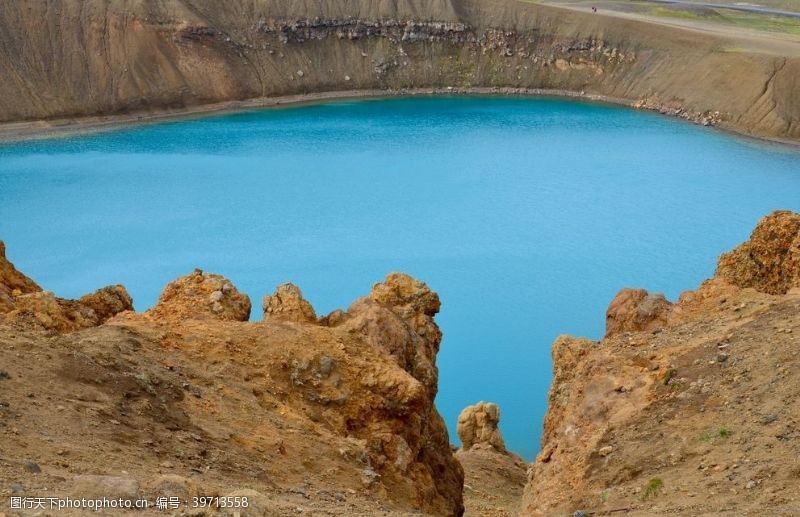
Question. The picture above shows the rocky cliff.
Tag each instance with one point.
(76, 58)
(688, 408)
(301, 415)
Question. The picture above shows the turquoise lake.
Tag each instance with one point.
(525, 215)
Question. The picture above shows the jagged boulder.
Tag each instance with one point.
(770, 261)
(107, 302)
(634, 310)
(397, 317)
(477, 424)
(201, 295)
(287, 304)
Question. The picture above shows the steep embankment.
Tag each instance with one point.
(331, 416)
(78, 59)
(690, 408)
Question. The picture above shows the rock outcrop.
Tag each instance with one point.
(689, 420)
(287, 304)
(636, 310)
(201, 295)
(478, 424)
(12, 282)
(397, 318)
(24, 303)
(494, 477)
(335, 415)
(770, 260)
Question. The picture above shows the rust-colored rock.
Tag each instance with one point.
(639, 420)
(770, 261)
(478, 424)
(12, 282)
(341, 407)
(44, 309)
(23, 302)
(107, 302)
(634, 310)
(201, 295)
(397, 318)
(287, 304)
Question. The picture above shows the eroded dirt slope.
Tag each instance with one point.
(77, 58)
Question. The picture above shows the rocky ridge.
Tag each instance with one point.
(333, 415)
(683, 408)
(688, 408)
(152, 57)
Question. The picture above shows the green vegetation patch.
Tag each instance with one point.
(652, 489)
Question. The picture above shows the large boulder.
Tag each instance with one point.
(397, 318)
(478, 424)
(770, 261)
(287, 304)
(635, 310)
(201, 295)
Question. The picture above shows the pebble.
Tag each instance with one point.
(768, 419)
(605, 451)
(33, 468)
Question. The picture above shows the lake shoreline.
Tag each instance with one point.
(15, 132)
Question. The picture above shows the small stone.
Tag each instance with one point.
(722, 357)
(750, 484)
(33, 468)
(768, 419)
(347, 78)
(369, 476)
(300, 73)
(216, 296)
(326, 365)
(301, 491)
(4, 375)
(605, 451)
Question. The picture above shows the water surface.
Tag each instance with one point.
(526, 215)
